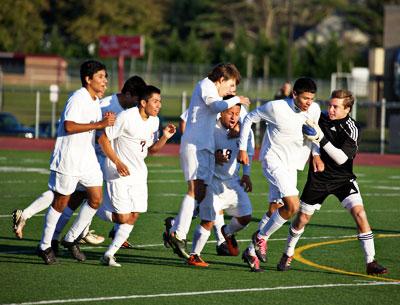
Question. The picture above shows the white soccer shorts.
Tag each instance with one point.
(122, 198)
(66, 184)
(228, 196)
(282, 181)
(197, 164)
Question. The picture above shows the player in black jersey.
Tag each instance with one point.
(332, 174)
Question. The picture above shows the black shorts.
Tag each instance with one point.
(316, 192)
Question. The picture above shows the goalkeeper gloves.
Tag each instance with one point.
(313, 133)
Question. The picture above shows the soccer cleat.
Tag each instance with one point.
(179, 246)
(284, 263)
(375, 268)
(252, 261)
(260, 245)
(74, 249)
(222, 249)
(47, 255)
(91, 238)
(230, 242)
(165, 235)
(18, 223)
(109, 261)
(55, 246)
(196, 260)
(125, 245)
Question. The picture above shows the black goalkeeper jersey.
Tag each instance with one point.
(345, 135)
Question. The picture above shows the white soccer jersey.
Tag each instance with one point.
(283, 138)
(131, 136)
(74, 154)
(204, 106)
(230, 147)
(108, 104)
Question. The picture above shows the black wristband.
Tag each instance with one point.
(323, 142)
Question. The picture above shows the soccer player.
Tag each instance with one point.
(284, 151)
(197, 143)
(129, 97)
(221, 246)
(227, 190)
(74, 159)
(115, 103)
(338, 137)
(134, 134)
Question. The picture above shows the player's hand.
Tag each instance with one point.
(244, 101)
(169, 131)
(318, 164)
(108, 119)
(243, 157)
(246, 183)
(122, 168)
(220, 157)
(312, 131)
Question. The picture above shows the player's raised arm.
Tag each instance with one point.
(168, 132)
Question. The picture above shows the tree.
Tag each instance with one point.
(21, 26)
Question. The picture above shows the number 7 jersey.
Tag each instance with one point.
(131, 136)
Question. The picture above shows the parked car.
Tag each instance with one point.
(45, 129)
(11, 127)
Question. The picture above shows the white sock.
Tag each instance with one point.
(182, 222)
(218, 223)
(85, 231)
(51, 219)
(200, 237)
(121, 235)
(104, 214)
(234, 226)
(41, 203)
(367, 244)
(263, 221)
(252, 250)
(274, 223)
(82, 220)
(62, 222)
(293, 237)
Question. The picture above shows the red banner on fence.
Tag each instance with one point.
(115, 46)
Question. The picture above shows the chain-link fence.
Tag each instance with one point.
(31, 104)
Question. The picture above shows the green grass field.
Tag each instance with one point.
(331, 271)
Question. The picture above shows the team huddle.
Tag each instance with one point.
(102, 143)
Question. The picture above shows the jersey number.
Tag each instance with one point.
(226, 152)
(142, 143)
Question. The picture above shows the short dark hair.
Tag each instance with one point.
(227, 71)
(304, 84)
(148, 91)
(134, 85)
(89, 68)
(346, 95)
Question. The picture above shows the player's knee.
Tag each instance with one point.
(121, 218)
(207, 224)
(292, 208)
(244, 220)
(95, 200)
(359, 214)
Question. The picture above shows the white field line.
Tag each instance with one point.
(208, 242)
(206, 292)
